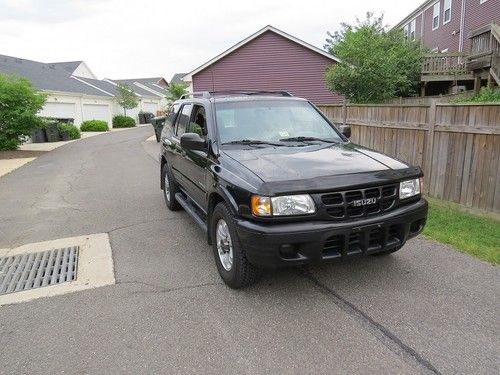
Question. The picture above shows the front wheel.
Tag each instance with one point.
(232, 264)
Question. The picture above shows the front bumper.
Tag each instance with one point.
(275, 245)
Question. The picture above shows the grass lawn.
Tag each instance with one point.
(472, 234)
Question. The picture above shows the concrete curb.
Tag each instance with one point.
(95, 266)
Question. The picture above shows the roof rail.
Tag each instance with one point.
(211, 94)
(203, 94)
(250, 92)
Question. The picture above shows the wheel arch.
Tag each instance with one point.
(216, 197)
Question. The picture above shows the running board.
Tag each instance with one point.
(192, 211)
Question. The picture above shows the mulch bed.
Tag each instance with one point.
(19, 154)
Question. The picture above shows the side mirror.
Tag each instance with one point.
(345, 130)
(193, 141)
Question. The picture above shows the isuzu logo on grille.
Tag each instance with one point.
(364, 202)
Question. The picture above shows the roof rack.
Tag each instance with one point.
(203, 94)
(211, 94)
(251, 92)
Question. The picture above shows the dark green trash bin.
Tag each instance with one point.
(158, 123)
(52, 131)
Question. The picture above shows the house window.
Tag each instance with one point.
(435, 15)
(412, 30)
(447, 11)
(406, 30)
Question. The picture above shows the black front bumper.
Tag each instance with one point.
(274, 245)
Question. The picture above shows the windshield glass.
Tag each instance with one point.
(271, 121)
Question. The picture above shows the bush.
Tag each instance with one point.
(71, 130)
(485, 95)
(19, 104)
(120, 121)
(94, 126)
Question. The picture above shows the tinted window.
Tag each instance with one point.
(183, 119)
(198, 123)
(271, 120)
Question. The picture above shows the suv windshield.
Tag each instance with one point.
(272, 121)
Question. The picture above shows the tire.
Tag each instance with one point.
(387, 252)
(238, 272)
(170, 188)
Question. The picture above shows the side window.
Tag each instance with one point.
(198, 123)
(183, 119)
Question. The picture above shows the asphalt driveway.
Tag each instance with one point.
(426, 309)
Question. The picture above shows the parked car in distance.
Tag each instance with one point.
(273, 183)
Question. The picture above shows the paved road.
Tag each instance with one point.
(426, 309)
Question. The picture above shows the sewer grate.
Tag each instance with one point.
(35, 270)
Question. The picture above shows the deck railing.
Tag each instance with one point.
(444, 63)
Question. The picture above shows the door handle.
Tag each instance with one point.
(166, 142)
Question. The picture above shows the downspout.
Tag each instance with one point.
(462, 25)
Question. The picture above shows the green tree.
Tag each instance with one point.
(19, 104)
(126, 98)
(175, 91)
(376, 63)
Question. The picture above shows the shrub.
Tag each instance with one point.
(120, 121)
(19, 104)
(71, 130)
(94, 126)
(485, 95)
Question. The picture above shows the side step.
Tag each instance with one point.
(192, 211)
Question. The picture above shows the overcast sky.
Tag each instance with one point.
(133, 39)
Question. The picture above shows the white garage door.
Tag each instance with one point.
(59, 110)
(150, 107)
(96, 112)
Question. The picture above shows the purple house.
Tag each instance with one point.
(464, 38)
(444, 25)
(270, 59)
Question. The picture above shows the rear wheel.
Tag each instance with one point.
(170, 188)
(232, 263)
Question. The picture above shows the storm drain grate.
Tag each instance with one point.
(35, 270)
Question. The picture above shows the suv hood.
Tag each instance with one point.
(274, 164)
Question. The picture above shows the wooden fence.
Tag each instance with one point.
(457, 146)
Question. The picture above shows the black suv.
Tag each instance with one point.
(273, 183)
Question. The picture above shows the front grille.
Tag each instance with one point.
(367, 241)
(359, 203)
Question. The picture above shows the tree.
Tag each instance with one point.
(175, 91)
(19, 104)
(376, 63)
(126, 98)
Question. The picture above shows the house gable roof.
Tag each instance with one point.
(132, 84)
(46, 77)
(153, 80)
(188, 76)
(177, 78)
(69, 66)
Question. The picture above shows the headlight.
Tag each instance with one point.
(285, 205)
(409, 188)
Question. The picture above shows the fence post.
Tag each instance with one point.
(430, 145)
(344, 112)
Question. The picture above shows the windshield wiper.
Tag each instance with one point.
(251, 142)
(307, 139)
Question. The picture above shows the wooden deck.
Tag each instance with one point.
(445, 67)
